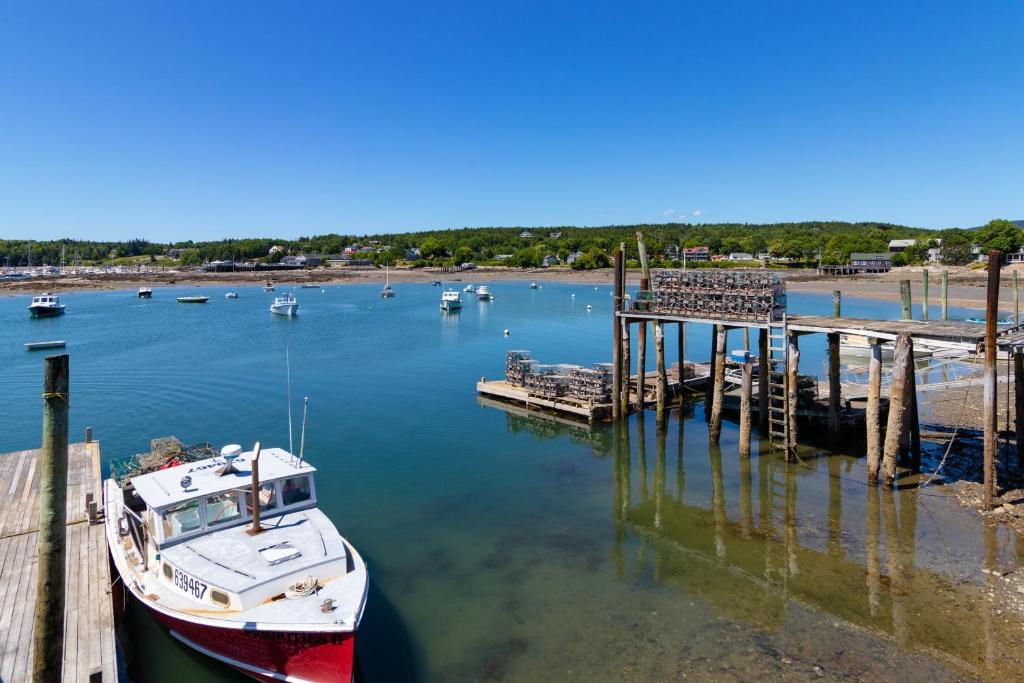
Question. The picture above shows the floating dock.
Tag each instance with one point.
(89, 648)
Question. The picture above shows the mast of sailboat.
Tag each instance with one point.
(288, 372)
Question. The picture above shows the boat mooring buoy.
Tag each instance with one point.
(506, 331)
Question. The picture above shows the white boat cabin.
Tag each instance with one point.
(46, 300)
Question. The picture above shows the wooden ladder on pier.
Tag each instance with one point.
(778, 394)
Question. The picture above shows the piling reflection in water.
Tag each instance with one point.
(860, 563)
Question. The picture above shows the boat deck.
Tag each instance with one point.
(89, 648)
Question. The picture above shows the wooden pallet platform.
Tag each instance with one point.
(89, 648)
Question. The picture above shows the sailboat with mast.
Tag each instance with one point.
(388, 290)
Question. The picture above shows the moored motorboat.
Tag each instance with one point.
(55, 344)
(860, 345)
(533, 285)
(483, 293)
(45, 306)
(231, 295)
(388, 290)
(145, 293)
(269, 287)
(285, 305)
(451, 300)
(234, 557)
(469, 288)
(193, 299)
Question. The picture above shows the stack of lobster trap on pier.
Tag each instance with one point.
(592, 384)
(748, 295)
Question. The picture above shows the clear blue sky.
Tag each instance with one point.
(204, 120)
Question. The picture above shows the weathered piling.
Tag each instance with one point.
(682, 354)
(899, 403)
(48, 624)
(945, 295)
(872, 416)
(905, 300)
(762, 379)
(1016, 300)
(256, 527)
(1018, 403)
(746, 338)
(708, 393)
(746, 396)
(989, 418)
(623, 396)
(659, 364)
(617, 335)
(913, 419)
(835, 391)
(792, 391)
(924, 294)
(641, 363)
(718, 385)
(837, 304)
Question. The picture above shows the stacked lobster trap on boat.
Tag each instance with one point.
(562, 380)
(706, 293)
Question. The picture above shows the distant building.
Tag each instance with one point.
(870, 263)
(672, 251)
(741, 256)
(697, 254)
(1014, 256)
(718, 257)
(572, 258)
(896, 246)
(555, 234)
(412, 254)
(934, 255)
(526, 235)
(549, 261)
(302, 260)
(276, 249)
(468, 266)
(502, 257)
(346, 260)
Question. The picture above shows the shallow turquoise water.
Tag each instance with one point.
(511, 547)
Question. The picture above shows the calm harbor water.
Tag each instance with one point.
(506, 546)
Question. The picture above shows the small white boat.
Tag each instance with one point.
(469, 288)
(45, 306)
(533, 285)
(231, 295)
(285, 305)
(269, 287)
(483, 293)
(193, 299)
(145, 292)
(35, 346)
(451, 301)
(388, 290)
(310, 285)
(858, 345)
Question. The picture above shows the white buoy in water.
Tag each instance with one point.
(573, 296)
(506, 331)
(589, 307)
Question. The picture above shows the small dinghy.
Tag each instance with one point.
(35, 346)
(193, 299)
(145, 293)
(231, 295)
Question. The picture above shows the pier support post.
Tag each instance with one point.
(1018, 401)
(905, 300)
(872, 417)
(746, 338)
(617, 335)
(746, 396)
(792, 390)
(1016, 300)
(837, 304)
(989, 418)
(898, 404)
(718, 386)
(659, 364)
(623, 397)
(945, 295)
(48, 624)
(641, 364)
(913, 418)
(924, 294)
(834, 389)
(762, 379)
(709, 390)
(682, 358)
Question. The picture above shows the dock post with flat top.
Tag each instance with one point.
(837, 304)
(746, 391)
(659, 364)
(1018, 401)
(762, 379)
(945, 295)
(617, 335)
(641, 363)
(793, 393)
(872, 417)
(1016, 300)
(718, 385)
(898, 405)
(989, 417)
(905, 300)
(623, 398)
(924, 295)
(48, 622)
(834, 389)
(708, 392)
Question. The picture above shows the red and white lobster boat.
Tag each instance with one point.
(233, 556)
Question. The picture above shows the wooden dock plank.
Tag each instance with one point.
(89, 644)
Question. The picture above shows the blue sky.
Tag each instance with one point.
(208, 120)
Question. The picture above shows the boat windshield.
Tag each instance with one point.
(182, 518)
(295, 490)
(223, 507)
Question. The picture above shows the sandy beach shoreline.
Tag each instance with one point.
(966, 288)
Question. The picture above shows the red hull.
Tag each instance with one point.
(315, 657)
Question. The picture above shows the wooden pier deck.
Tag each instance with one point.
(89, 648)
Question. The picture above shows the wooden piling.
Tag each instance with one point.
(924, 294)
(718, 386)
(835, 391)
(792, 382)
(1016, 300)
(898, 405)
(746, 338)
(837, 303)
(746, 396)
(913, 418)
(659, 364)
(641, 363)
(989, 410)
(1018, 401)
(256, 527)
(762, 379)
(48, 623)
(905, 300)
(708, 393)
(682, 356)
(945, 295)
(872, 417)
(624, 395)
(617, 335)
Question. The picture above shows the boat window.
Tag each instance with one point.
(268, 497)
(295, 490)
(181, 519)
(222, 507)
(220, 598)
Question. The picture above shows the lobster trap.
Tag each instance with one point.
(749, 295)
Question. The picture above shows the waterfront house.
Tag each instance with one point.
(870, 263)
(549, 261)
(740, 256)
(697, 254)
